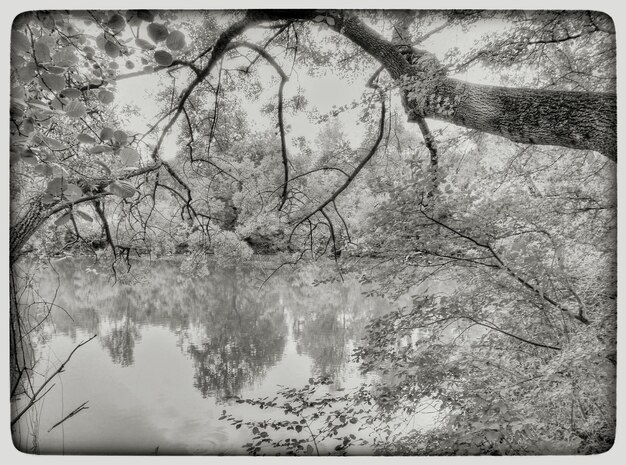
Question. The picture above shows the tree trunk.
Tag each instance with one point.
(23, 228)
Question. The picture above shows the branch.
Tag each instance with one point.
(580, 317)
(519, 338)
(45, 383)
(281, 125)
(70, 415)
(357, 170)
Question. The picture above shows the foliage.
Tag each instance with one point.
(499, 256)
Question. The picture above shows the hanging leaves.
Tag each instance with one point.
(144, 44)
(116, 23)
(100, 149)
(75, 109)
(71, 93)
(72, 192)
(29, 157)
(43, 169)
(56, 186)
(19, 42)
(52, 82)
(122, 189)
(106, 134)
(112, 49)
(83, 216)
(42, 52)
(163, 58)
(145, 15)
(61, 220)
(120, 137)
(65, 57)
(104, 166)
(85, 139)
(175, 40)
(130, 157)
(157, 32)
(106, 96)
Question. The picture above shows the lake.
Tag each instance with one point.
(171, 350)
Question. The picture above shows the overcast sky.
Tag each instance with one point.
(322, 92)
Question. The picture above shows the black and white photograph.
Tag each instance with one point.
(311, 232)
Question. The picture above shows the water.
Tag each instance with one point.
(171, 350)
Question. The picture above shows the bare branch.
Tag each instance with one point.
(36, 396)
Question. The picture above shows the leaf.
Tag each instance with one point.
(85, 139)
(19, 42)
(65, 57)
(122, 189)
(56, 186)
(163, 58)
(83, 216)
(48, 199)
(492, 436)
(53, 143)
(175, 40)
(106, 96)
(60, 221)
(120, 137)
(157, 32)
(55, 69)
(104, 166)
(75, 109)
(330, 21)
(42, 52)
(112, 49)
(309, 449)
(116, 23)
(72, 192)
(298, 428)
(144, 44)
(130, 157)
(129, 64)
(28, 126)
(100, 149)
(52, 82)
(319, 18)
(43, 170)
(145, 15)
(71, 93)
(106, 134)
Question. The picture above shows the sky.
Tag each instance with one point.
(322, 92)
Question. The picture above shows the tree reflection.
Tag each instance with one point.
(120, 342)
(232, 330)
(244, 333)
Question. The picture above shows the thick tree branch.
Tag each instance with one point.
(579, 120)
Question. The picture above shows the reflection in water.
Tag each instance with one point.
(230, 336)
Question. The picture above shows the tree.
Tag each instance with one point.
(581, 120)
(73, 161)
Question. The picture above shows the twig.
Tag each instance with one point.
(70, 415)
(35, 397)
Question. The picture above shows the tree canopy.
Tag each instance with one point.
(505, 191)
